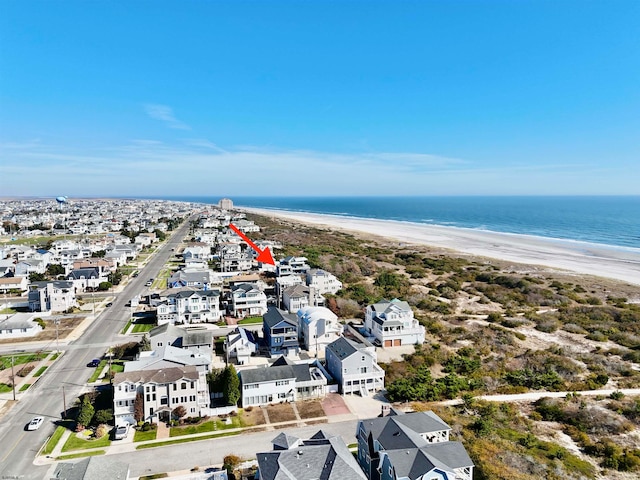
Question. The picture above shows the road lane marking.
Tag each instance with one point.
(14, 446)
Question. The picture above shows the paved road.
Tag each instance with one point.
(18, 447)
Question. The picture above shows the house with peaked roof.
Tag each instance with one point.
(91, 468)
(322, 281)
(193, 277)
(13, 283)
(411, 446)
(162, 390)
(317, 328)
(323, 456)
(283, 381)
(240, 344)
(392, 323)
(247, 299)
(83, 278)
(195, 337)
(354, 366)
(190, 305)
(56, 295)
(280, 331)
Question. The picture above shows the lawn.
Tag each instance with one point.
(4, 388)
(40, 371)
(142, 327)
(141, 436)
(80, 455)
(282, 412)
(96, 372)
(310, 409)
(209, 426)
(250, 321)
(7, 311)
(5, 360)
(24, 387)
(53, 441)
(75, 443)
(125, 328)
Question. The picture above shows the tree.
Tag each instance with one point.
(138, 408)
(99, 254)
(104, 416)
(231, 462)
(145, 344)
(160, 234)
(104, 286)
(85, 414)
(231, 386)
(37, 277)
(179, 412)
(54, 269)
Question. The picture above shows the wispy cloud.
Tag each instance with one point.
(165, 114)
(200, 167)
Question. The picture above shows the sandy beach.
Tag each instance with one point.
(617, 263)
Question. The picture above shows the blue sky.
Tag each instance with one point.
(319, 98)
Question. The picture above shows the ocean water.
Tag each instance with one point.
(608, 220)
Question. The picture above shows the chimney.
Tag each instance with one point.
(385, 410)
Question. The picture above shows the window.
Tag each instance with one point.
(183, 386)
(175, 387)
(154, 396)
(148, 397)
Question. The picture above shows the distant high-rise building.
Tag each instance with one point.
(225, 204)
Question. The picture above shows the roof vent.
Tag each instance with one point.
(299, 452)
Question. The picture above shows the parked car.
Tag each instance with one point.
(109, 304)
(149, 282)
(121, 432)
(94, 363)
(35, 423)
(135, 274)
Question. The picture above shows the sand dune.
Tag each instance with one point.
(580, 257)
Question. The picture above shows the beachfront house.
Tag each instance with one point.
(317, 328)
(411, 446)
(354, 366)
(322, 281)
(392, 324)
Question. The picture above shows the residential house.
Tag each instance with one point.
(190, 305)
(116, 257)
(411, 446)
(236, 262)
(287, 281)
(317, 328)
(193, 277)
(104, 266)
(56, 296)
(322, 281)
(18, 284)
(247, 299)
(292, 265)
(323, 456)
(354, 366)
(280, 330)
(283, 381)
(392, 324)
(246, 226)
(85, 278)
(19, 325)
(29, 266)
(161, 390)
(192, 337)
(91, 468)
(240, 344)
(200, 251)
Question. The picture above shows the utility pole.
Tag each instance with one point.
(13, 380)
(56, 321)
(64, 404)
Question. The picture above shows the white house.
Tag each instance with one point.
(83, 278)
(317, 328)
(200, 251)
(392, 324)
(56, 296)
(247, 299)
(19, 325)
(283, 381)
(190, 305)
(322, 281)
(354, 366)
(8, 284)
(30, 265)
(240, 344)
(161, 390)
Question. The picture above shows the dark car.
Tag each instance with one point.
(94, 363)
(108, 304)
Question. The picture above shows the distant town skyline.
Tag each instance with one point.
(283, 98)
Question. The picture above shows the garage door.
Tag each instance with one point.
(397, 342)
(388, 343)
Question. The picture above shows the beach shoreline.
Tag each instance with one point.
(568, 256)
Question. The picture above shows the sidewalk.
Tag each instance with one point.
(127, 445)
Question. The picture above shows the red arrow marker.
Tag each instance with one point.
(264, 256)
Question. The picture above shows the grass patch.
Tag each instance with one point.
(97, 371)
(141, 436)
(4, 388)
(24, 387)
(55, 356)
(5, 360)
(75, 443)
(40, 371)
(190, 439)
(125, 328)
(250, 321)
(210, 426)
(80, 455)
(7, 311)
(53, 441)
(142, 327)
(154, 476)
